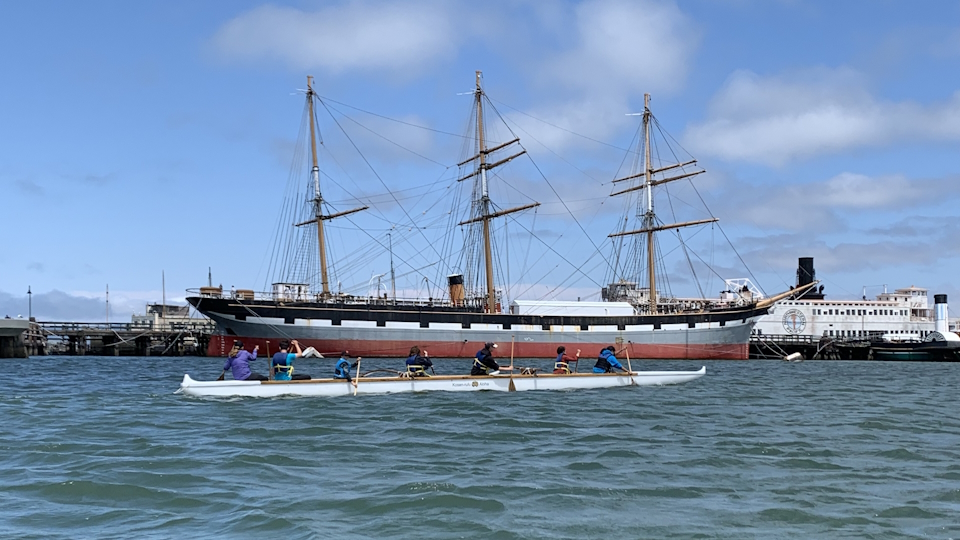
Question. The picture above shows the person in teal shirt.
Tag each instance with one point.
(282, 363)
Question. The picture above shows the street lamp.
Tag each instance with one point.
(29, 304)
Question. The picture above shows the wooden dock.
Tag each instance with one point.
(812, 348)
(118, 339)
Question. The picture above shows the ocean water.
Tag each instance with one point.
(102, 447)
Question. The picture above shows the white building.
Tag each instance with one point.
(168, 318)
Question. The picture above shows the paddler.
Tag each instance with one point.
(282, 363)
(607, 362)
(417, 364)
(238, 361)
(562, 365)
(484, 364)
(343, 367)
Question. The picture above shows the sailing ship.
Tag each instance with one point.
(645, 323)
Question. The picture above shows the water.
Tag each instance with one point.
(101, 447)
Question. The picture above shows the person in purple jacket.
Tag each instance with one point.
(238, 361)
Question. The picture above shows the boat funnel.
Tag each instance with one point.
(806, 275)
(940, 312)
(455, 282)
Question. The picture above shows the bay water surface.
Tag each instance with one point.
(102, 447)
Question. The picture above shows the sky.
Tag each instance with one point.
(145, 144)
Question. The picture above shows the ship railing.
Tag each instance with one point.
(332, 299)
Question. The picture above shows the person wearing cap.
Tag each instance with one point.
(282, 363)
(418, 364)
(484, 364)
(238, 361)
(562, 365)
(607, 362)
(343, 367)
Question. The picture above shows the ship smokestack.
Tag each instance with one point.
(455, 281)
(940, 312)
(805, 273)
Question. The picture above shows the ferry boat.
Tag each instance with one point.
(648, 321)
(901, 315)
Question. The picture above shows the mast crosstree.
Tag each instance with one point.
(318, 216)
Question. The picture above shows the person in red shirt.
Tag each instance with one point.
(562, 366)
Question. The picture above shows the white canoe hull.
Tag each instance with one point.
(448, 383)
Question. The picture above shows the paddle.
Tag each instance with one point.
(511, 387)
(627, 350)
(220, 378)
(269, 363)
(356, 383)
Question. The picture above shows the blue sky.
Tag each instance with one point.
(146, 138)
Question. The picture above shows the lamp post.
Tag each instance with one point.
(29, 304)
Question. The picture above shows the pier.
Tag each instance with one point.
(766, 347)
(11, 337)
(118, 339)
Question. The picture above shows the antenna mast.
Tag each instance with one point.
(393, 278)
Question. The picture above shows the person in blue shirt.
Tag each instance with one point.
(416, 364)
(343, 367)
(238, 361)
(607, 362)
(282, 363)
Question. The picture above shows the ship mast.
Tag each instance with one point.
(649, 222)
(317, 198)
(485, 206)
(318, 215)
(485, 201)
(649, 216)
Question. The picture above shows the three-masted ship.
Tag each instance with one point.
(648, 325)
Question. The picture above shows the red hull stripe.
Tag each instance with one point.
(220, 345)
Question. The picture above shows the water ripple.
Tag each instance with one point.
(753, 450)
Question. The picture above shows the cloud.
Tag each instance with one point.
(780, 251)
(623, 47)
(99, 179)
(619, 51)
(823, 206)
(362, 35)
(778, 119)
(30, 187)
(914, 227)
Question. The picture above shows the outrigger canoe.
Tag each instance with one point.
(449, 383)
